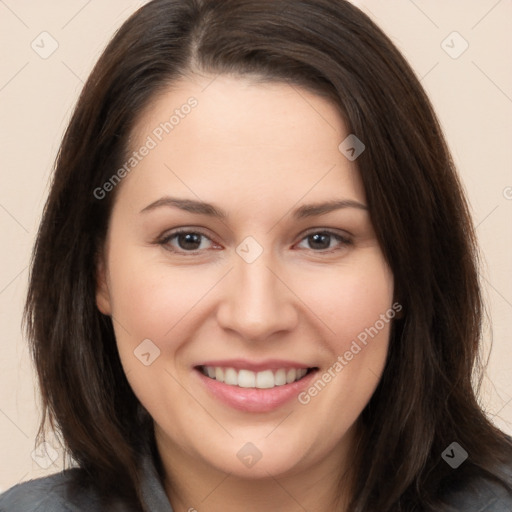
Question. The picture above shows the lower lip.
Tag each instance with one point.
(253, 399)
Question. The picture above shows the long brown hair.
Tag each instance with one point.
(425, 399)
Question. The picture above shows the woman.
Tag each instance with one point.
(254, 285)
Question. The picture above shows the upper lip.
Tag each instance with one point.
(255, 366)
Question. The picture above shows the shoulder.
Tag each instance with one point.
(60, 492)
(479, 494)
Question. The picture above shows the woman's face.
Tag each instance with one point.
(265, 284)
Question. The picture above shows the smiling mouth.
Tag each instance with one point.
(265, 379)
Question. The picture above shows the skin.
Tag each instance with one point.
(258, 151)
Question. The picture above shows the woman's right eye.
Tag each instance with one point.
(185, 241)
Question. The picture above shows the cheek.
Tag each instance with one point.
(358, 309)
(349, 299)
(154, 301)
(150, 297)
(355, 304)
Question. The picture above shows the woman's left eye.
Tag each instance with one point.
(188, 241)
(322, 240)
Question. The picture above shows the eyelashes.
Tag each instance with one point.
(181, 235)
(343, 241)
(186, 237)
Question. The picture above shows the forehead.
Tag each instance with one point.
(222, 136)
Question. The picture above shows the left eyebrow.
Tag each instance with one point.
(312, 210)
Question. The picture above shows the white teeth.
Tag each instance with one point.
(280, 377)
(291, 375)
(246, 379)
(265, 379)
(230, 377)
(219, 374)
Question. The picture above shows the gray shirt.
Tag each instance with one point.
(53, 494)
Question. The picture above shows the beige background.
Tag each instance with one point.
(472, 94)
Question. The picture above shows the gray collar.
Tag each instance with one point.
(153, 492)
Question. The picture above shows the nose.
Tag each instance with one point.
(257, 301)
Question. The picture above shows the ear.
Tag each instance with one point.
(102, 291)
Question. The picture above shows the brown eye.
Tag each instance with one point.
(184, 241)
(320, 241)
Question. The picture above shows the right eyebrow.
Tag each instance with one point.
(188, 205)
